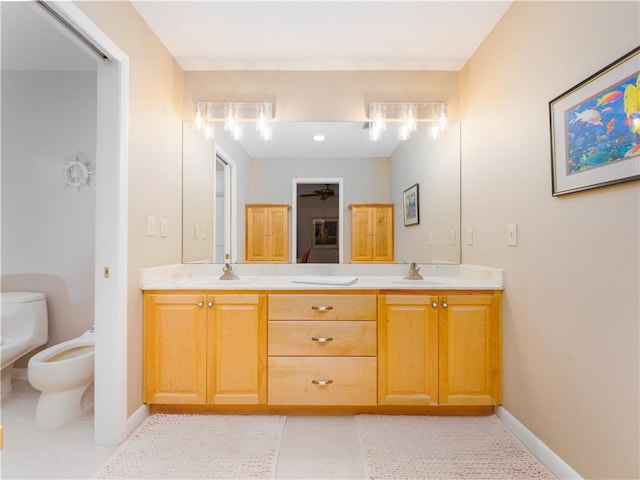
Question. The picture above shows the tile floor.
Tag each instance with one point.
(312, 447)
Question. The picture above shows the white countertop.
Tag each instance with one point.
(457, 277)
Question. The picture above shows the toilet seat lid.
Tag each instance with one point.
(22, 297)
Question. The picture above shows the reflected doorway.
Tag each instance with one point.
(222, 214)
(318, 223)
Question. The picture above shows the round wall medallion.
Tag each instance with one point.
(76, 173)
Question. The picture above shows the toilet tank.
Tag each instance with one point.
(24, 318)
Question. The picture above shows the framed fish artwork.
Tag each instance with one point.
(595, 129)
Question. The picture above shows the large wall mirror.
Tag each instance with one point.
(320, 179)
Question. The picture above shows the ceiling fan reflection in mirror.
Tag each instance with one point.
(323, 193)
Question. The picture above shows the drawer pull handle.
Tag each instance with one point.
(321, 382)
(321, 308)
(322, 339)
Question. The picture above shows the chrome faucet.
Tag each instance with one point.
(413, 273)
(228, 273)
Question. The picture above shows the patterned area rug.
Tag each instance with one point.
(199, 446)
(430, 447)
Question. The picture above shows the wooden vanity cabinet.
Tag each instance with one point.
(204, 348)
(407, 350)
(174, 349)
(470, 349)
(439, 349)
(372, 233)
(353, 348)
(322, 349)
(267, 233)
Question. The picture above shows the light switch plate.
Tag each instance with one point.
(151, 226)
(164, 227)
(469, 236)
(512, 234)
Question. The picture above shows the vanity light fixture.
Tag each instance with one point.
(234, 114)
(407, 115)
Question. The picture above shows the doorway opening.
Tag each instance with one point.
(224, 225)
(317, 233)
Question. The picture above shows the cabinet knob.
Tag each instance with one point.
(321, 382)
(445, 304)
(210, 304)
(434, 304)
(322, 339)
(200, 303)
(321, 308)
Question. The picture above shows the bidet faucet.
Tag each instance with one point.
(228, 273)
(413, 273)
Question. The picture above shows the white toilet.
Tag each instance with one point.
(24, 328)
(64, 374)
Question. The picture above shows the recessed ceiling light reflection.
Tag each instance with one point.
(319, 137)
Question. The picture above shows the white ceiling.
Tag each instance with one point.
(322, 35)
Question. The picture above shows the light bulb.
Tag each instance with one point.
(198, 117)
(236, 132)
(229, 119)
(266, 132)
(443, 116)
(208, 130)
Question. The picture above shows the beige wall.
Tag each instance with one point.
(571, 345)
(155, 158)
(571, 305)
(321, 96)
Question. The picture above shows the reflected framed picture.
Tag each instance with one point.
(411, 206)
(595, 129)
(325, 233)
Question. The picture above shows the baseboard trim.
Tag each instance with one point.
(547, 457)
(136, 418)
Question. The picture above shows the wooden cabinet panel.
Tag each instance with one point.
(326, 338)
(408, 350)
(237, 350)
(202, 348)
(174, 349)
(322, 380)
(267, 233)
(372, 233)
(322, 307)
(470, 346)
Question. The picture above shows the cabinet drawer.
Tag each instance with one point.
(322, 381)
(316, 338)
(322, 307)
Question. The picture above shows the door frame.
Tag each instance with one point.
(111, 218)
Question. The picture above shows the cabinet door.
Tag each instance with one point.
(470, 358)
(382, 225)
(407, 350)
(361, 234)
(278, 234)
(174, 349)
(256, 234)
(237, 343)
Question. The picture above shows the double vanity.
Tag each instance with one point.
(315, 339)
